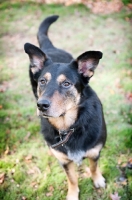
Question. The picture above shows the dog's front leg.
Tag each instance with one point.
(73, 190)
(69, 168)
(97, 177)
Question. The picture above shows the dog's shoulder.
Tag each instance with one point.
(90, 102)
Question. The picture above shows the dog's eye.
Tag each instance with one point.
(66, 84)
(43, 81)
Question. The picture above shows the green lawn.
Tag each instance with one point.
(27, 169)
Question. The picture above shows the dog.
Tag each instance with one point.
(72, 120)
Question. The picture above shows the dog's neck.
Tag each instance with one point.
(64, 122)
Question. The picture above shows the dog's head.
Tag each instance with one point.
(60, 85)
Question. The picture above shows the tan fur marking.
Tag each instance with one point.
(39, 92)
(48, 76)
(93, 166)
(60, 156)
(94, 152)
(73, 189)
(64, 122)
(71, 174)
(61, 78)
(89, 73)
(57, 106)
(34, 70)
(66, 105)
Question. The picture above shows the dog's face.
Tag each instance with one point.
(58, 90)
(59, 85)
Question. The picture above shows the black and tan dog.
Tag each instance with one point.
(71, 114)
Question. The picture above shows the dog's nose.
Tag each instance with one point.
(43, 105)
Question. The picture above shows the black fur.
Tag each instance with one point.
(90, 129)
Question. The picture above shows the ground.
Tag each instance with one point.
(27, 169)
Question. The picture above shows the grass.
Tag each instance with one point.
(29, 171)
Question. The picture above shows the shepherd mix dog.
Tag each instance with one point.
(71, 114)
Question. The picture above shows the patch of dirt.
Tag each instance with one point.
(97, 6)
(104, 7)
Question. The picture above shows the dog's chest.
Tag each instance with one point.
(76, 156)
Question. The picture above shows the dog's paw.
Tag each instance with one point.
(73, 195)
(99, 181)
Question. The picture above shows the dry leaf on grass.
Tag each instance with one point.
(34, 170)
(34, 184)
(129, 164)
(2, 178)
(115, 196)
(49, 194)
(50, 191)
(51, 188)
(28, 158)
(7, 151)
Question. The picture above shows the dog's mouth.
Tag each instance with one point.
(45, 116)
(50, 116)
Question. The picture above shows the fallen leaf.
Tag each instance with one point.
(31, 171)
(2, 178)
(129, 5)
(8, 131)
(51, 189)
(130, 160)
(115, 196)
(7, 151)
(34, 184)
(99, 191)
(28, 158)
(34, 170)
(49, 194)
(129, 164)
(124, 182)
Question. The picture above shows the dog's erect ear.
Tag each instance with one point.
(36, 56)
(87, 62)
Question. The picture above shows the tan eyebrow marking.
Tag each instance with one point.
(61, 78)
(48, 76)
